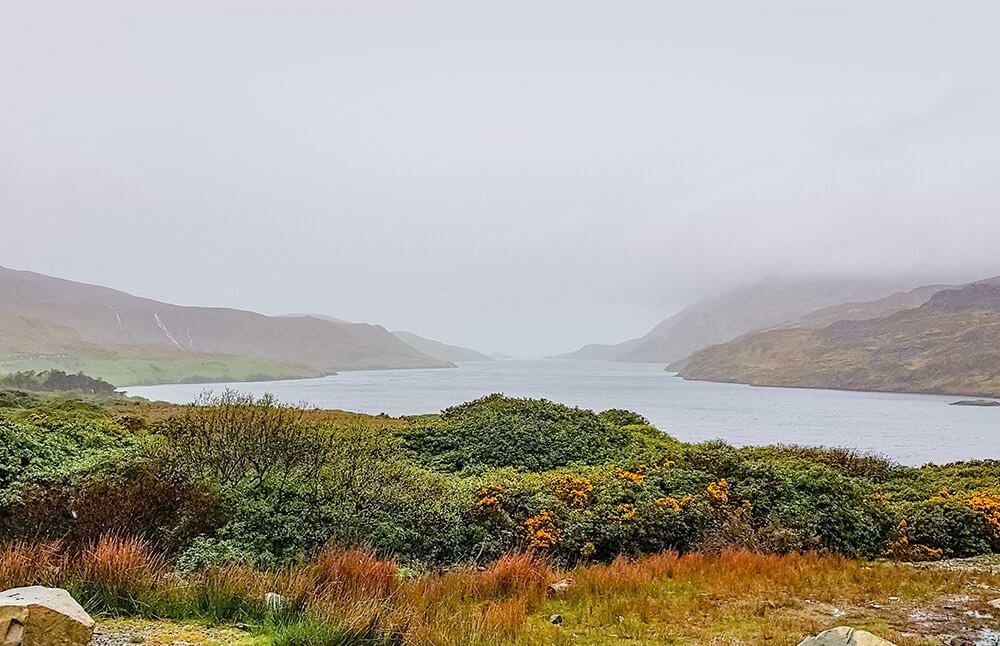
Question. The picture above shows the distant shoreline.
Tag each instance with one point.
(842, 389)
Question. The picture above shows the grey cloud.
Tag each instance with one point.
(523, 177)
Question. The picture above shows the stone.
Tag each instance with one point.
(995, 603)
(561, 587)
(845, 636)
(40, 616)
(555, 619)
(274, 601)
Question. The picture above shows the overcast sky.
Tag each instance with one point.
(520, 177)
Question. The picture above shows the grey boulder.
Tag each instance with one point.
(845, 636)
(39, 616)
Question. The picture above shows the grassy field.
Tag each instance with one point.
(125, 370)
(353, 597)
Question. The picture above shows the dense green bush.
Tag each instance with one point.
(41, 447)
(138, 495)
(950, 526)
(246, 480)
(498, 431)
(622, 417)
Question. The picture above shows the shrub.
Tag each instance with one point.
(951, 526)
(498, 431)
(143, 496)
(242, 440)
(622, 417)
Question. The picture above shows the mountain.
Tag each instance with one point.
(441, 351)
(760, 306)
(860, 311)
(49, 322)
(949, 345)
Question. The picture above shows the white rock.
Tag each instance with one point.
(39, 616)
(845, 636)
(560, 588)
(274, 601)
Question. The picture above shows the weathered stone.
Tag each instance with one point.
(845, 636)
(560, 588)
(274, 601)
(555, 619)
(39, 616)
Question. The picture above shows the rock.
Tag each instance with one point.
(845, 636)
(39, 616)
(274, 601)
(556, 619)
(560, 588)
(995, 603)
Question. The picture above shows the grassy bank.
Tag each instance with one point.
(145, 369)
(353, 597)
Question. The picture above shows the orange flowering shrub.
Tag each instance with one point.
(676, 504)
(625, 512)
(574, 490)
(989, 506)
(490, 497)
(632, 474)
(718, 491)
(542, 532)
(901, 549)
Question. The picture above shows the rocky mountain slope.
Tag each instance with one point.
(760, 306)
(64, 323)
(950, 344)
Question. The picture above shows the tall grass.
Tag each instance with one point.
(346, 597)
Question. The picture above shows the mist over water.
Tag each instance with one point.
(911, 429)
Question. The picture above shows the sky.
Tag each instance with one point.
(520, 177)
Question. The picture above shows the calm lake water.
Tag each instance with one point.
(912, 429)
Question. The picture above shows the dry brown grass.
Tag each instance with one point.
(30, 564)
(729, 598)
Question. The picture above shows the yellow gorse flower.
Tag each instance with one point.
(625, 512)
(632, 474)
(574, 490)
(989, 506)
(901, 549)
(718, 491)
(490, 496)
(676, 504)
(542, 532)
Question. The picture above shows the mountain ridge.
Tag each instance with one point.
(109, 320)
(440, 350)
(948, 345)
(757, 306)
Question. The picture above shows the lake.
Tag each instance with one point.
(911, 429)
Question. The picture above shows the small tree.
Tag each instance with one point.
(239, 439)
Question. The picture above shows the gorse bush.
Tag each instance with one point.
(498, 431)
(245, 482)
